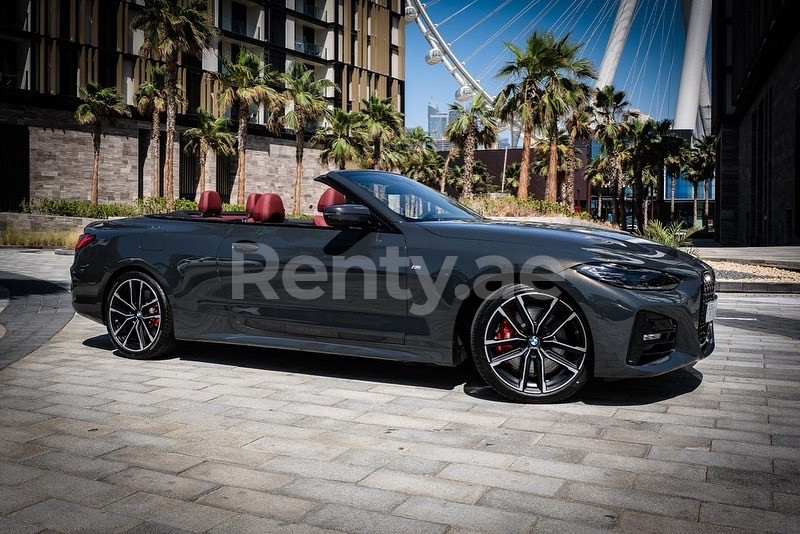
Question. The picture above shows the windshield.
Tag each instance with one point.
(409, 199)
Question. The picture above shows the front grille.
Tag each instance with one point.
(707, 295)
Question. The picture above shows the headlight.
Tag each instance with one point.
(628, 277)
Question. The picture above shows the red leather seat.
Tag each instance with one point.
(210, 204)
(269, 209)
(330, 197)
(252, 200)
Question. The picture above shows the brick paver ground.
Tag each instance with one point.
(221, 439)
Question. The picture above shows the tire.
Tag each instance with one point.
(520, 327)
(138, 317)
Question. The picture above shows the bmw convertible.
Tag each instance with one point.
(391, 269)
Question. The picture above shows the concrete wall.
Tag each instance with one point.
(32, 221)
(61, 160)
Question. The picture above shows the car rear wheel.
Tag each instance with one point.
(138, 317)
(531, 345)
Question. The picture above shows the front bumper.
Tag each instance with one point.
(612, 313)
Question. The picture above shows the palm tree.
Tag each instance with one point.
(456, 140)
(597, 176)
(645, 149)
(341, 139)
(381, 123)
(512, 178)
(673, 163)
(562, 91)
(211, 134)
(706, 161)
(543, 147)
(246, 82)
(694, 177)
(306, 95)
(579, 127)
(418, 150)
(99, 104)
(518, 101)
(172, 28)
(476, 124)
(610, 130)
(151, 97)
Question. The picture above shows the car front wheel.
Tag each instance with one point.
(138, 317)
(531, 345)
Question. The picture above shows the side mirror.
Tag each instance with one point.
(346, 215)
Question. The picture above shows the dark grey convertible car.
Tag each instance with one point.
(392, 269)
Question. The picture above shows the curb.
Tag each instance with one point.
(777, 264)
(757, 287)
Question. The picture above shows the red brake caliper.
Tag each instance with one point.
(155, 321)
(504, 331)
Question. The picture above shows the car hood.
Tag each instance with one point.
(570, 245)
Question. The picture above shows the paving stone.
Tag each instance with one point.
(465, 515)
(329, 491)
(250, 524)
(232, 475)
(86, 429)
(74, 464)
(720, 459)
(279, 507)
(787, 503)
(10, 450)
(311, 468)
(175, 487)
(725, 494)
(13, 499)
(661, 437)
(677, 507)
(637, 522)
(449, 490)
(402, 421)
(69, 517)
(618, 448)
(547, 525)
(190, 516)
(585, 473)
(78, 445)
(465, 456)
(9, 526)
(347, 519)
(767, 451)
(301, 449)
(12, 474)
(154, 459)
(150, 527)
(736, 516)
(75, 489)
(501, 478)
(554, 508)
(647, 465)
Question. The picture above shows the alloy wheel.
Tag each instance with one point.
(134, 315)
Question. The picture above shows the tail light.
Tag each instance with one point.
(83, 240)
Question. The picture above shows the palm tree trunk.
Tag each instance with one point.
(469, 158)
(568, 195)
(524, 166)
(299, 144)
(244, 116)
(443, 178)
(616, 187)
(172, 89)
(201, 185)
(705, 204)
(672, 198)
(638, 197)
(96, 137)
(551, 187)
(694, 201)
(376, 155)
(155, 142)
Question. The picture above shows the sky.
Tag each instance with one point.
(649, 70)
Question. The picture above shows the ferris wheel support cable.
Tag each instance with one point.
(567, 18)
(637, 85)
(481, 21)
(493, 64)
(647, 21)
(664, 39)
(594, 22)
(457, 12)
(503, 28)
(450, 61)
(602, 24)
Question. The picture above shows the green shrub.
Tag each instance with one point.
(673, 235)
(40, 238)
(84, 208)
(515, 207)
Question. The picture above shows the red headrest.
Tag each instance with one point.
(330, 197)
(269, 208)
(210, 204)
(252, 200)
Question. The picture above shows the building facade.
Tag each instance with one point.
(51, 48)
(756, 117)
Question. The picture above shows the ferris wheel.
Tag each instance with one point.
(607, 27)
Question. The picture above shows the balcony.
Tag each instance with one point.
(311, 10)
(240, 27)
(310, 48)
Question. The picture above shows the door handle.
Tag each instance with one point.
(245, 247)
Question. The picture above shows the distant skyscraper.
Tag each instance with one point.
(437, 121)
